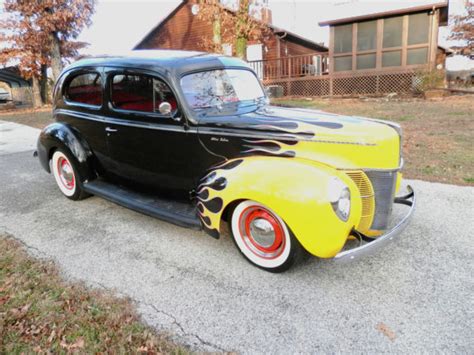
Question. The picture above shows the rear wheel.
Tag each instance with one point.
(66, 175)
(263, 237)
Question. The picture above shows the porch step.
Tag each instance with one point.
(177, 212)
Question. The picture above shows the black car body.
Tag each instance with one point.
(150, 132)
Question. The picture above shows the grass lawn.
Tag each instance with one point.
(37, 118)
(438, 134)
(438, 140)
(41, 313)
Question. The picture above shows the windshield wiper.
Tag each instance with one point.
(259, 102)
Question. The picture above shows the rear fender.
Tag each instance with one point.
(296, 189)
(60, 135)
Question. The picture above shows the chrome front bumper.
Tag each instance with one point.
(374, 244)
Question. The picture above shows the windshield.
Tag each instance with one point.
(217, 87)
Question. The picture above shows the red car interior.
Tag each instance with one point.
(128, 96)
(139, 100)
(86, 94)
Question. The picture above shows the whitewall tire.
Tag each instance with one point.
(65, 173)
(263, 238)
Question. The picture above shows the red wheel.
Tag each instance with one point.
(263, 237)
(65, 173)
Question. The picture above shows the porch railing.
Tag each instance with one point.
(291, 67)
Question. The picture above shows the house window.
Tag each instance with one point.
(366, 61)
(392, 32)
(343, 39)
(391, 59)
(343, 63)
(417, 56)
(366, 35)
(227, 49)
(418, 28)
(382, 43)
(86, 89)
(139, 92)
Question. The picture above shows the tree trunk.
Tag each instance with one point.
(56, 64)
(45, 94)
(241, 47)
(216, 31)
(36, 94)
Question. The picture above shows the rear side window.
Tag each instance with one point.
(139, 92)
(85, 89)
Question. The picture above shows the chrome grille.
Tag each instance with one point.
(383, 183)
(367, 196)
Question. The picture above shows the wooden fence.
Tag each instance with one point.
(353, 84)
(314, 64)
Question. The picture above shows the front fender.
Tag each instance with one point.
(60, 135)
(295, 189)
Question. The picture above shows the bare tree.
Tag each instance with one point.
(463, 30)
(232, 25)
(39, 34)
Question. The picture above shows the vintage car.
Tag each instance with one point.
(190, 138)
(4, 96)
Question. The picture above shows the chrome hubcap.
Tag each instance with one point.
(262, 232)
(66, 174)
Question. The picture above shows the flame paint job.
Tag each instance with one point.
(318, 145)
(295, 189)
(282, 158)
(339, 141)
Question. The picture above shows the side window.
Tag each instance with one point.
(85, 89)
(139, 92)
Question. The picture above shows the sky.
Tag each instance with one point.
(118, 25)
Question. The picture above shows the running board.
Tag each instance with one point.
(180, 213)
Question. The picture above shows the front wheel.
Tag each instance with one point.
(263, 237)
(66, 175)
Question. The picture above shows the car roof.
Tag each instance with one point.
(177, 62)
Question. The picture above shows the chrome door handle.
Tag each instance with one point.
(108, 129)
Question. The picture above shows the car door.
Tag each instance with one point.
(81, 106)
(146, 146)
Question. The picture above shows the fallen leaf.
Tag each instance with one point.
(78, 344)
(19, 313)
(385, 330)
(51, 336)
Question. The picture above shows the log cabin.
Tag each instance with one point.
(280, 54)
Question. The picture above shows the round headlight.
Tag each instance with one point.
(340, 198)
(335, 189)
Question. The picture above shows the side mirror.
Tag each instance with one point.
(268, 92)
(165, 108)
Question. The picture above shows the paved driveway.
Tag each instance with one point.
(414, 296)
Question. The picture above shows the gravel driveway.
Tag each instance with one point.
(414, 296)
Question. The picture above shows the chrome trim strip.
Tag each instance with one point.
(83, 115)
(207, 131)
(278, 136)
(365, 170)
(389, 236)
(395, 170)
(122, 122)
